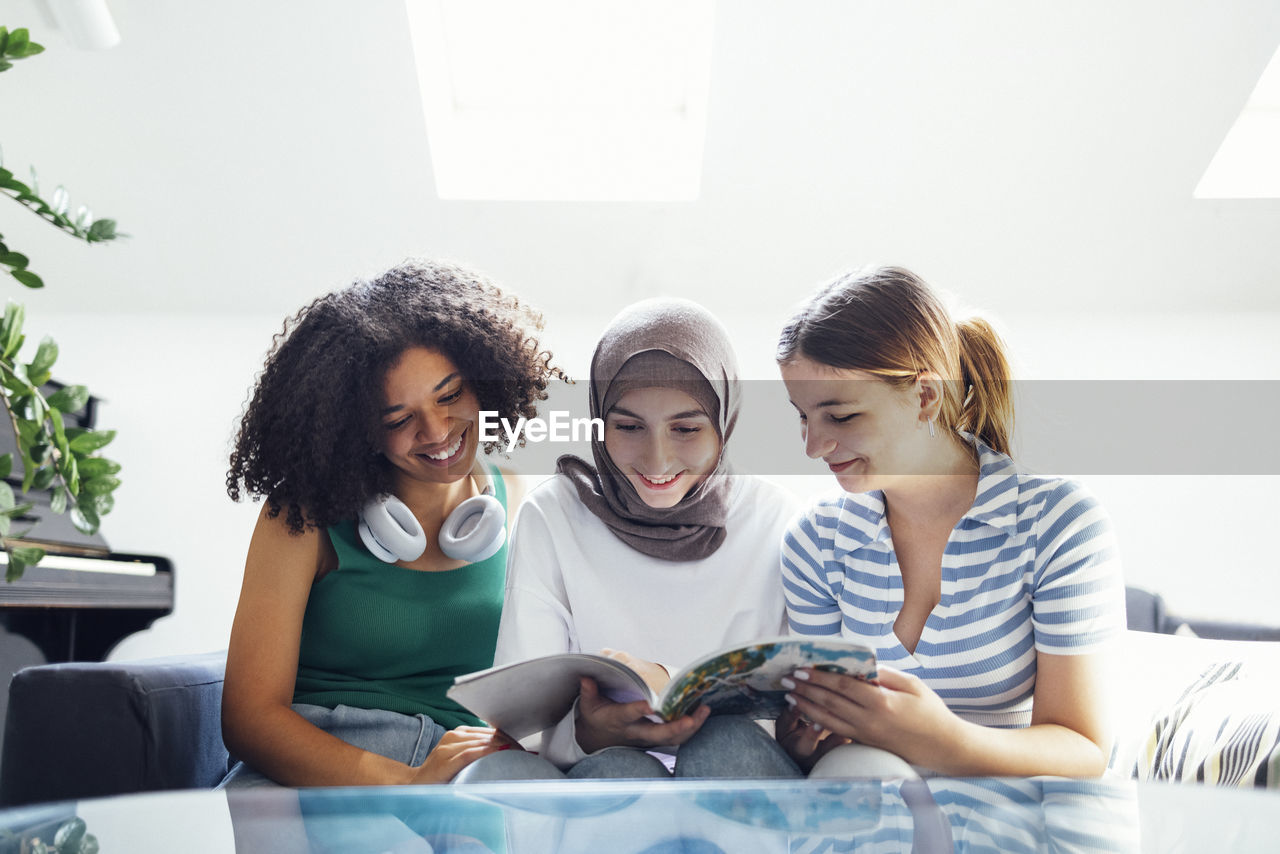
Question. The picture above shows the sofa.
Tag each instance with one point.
(83, 730)
(1182, 704)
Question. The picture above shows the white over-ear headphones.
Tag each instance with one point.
(474, 531)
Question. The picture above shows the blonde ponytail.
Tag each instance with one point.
(987, 411)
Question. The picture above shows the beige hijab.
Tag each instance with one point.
(668, 343)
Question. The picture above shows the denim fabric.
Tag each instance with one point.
(733, 746)
(404, 738)
(509, 765)
(728, 746)
(618, 763)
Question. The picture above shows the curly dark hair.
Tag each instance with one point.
(309, 438)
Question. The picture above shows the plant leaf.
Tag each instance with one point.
(85, 520)
(11, 574)
(28, 278)
(6, 496)
(59, 434)
(28, 467)
(60, 200)
(69, 834)
(103, 504)
(91, 467)
(99, 485)
(11, 326)
(71, 474)
(17, 511)
(44, 478)
(18, 40)
(30, 555)
(27, 431)
(102, 229)
(6, 465)
(19, 386)
(46, 355)
(39, 407)
(58, 502)
(23, 557)
(89, 442)
(70, 399)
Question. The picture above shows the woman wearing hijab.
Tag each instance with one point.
(656, 554)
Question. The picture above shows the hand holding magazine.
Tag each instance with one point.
(530, 696)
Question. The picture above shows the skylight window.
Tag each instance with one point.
(1247, 165)
(593, 100)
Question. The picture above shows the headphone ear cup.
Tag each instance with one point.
(475, 530)
(390, 531)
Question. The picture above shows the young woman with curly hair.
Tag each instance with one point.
(339, 660)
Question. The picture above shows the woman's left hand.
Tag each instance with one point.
(457, 749)
(898, 712)
(805, 742)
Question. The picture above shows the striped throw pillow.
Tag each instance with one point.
(1223, 730)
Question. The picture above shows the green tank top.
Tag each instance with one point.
(379, 636)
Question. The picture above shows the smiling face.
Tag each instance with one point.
(662, 441)
(867, 431)
(429, 418)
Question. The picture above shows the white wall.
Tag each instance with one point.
(1205, 542)
(1034, 156)
(174, 385)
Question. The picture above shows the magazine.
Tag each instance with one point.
(530, 696)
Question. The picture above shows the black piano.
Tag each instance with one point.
(80, 600)
(77, 607)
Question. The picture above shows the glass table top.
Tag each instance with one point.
(675, 817)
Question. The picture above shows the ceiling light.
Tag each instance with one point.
(87, 24)
(1247, 165)
(564, 99)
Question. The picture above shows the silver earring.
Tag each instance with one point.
(931, 433)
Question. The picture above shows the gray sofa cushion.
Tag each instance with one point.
(82, 730)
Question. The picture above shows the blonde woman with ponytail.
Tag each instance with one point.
(989, 595)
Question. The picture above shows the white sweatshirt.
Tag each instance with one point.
(572, 586)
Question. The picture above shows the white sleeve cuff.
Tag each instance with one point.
(560, 743)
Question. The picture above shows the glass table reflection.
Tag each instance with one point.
(677, 817)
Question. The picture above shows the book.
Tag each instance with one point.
(530, 696)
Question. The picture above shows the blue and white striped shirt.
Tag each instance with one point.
(1032, 566)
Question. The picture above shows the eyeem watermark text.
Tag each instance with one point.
(559, 427)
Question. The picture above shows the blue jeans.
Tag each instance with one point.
(404, 738)
(726, 746)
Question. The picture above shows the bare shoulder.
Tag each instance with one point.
(287, 554)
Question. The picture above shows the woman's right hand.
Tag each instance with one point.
(603, 723)
(457, 749)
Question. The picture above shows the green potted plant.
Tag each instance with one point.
(56, 458)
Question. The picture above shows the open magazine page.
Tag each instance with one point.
(746, 680)
(529, 696)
